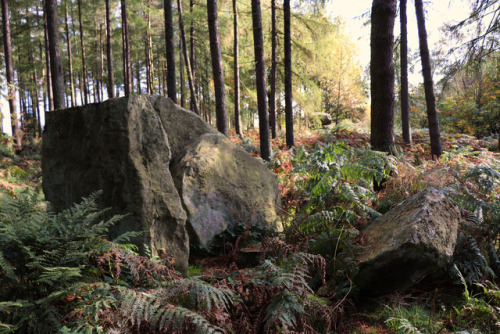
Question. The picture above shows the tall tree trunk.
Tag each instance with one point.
(272, 76)
(260, 74)
(181, 76)
(290, 140)
(101, 70)
(7, 46)
(170, 50)
(194, 105)
(405, 113)
(84, 60)
(218, 74)
(109, 52)
(149, 52)
(55, 53)
(47, 65)
(430, 99)
(127, 69)
(70, 56)
(192, 60)
(237, 111)
(382, 75)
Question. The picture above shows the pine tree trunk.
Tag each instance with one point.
(430, 99)
(405, 113)
(127, 69)
(382, 75)
(272, 76)
(182, 33)
(84, 60)
(237, 111)
(50, 95)
(192, 60)
(70, 57)
(217, 69)
(109, 52)
(290, 140)
(148, 52)
(55, 53)
(170, 50)
(101, 52)
(260, 74)
(16, 133)
(181, 75)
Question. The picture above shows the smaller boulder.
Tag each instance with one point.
(408, 243)
(221, 186)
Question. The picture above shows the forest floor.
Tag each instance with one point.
(417, 310)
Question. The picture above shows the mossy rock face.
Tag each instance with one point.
(126, 147)
(408, 243)
(221, 185)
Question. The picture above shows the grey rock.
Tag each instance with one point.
(221, 185)
(413, 240)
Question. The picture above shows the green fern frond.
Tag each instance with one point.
(203, 294)
(283, 309)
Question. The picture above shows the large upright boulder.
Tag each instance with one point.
(221, 186)
(121, 148)
(413, 240)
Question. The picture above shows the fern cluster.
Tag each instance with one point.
(339, 183)
(476, 253)
(59, 273)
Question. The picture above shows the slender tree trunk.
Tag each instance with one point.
(148, 52)
(181, 75)
(405, 113)
(55, 53)
(218, 74)
(84, 60)
(260, 74)
(16, 133)
(182, 33)
(127, 72)
(290, 140)
(101, 70)
(70, 56)
(170, 46)
(382, 75)
(192, 60)
(272, 76)
(430, 99)
(50, 95)
(237, 111)
(109, 52)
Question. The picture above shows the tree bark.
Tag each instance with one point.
(70, 57)
(382, 75)
(50, 96)
(218, 74)
(181, 76)
(109, 52)
(55, 53)
(237, 111)
(169, 43)
(127, 69)
(84, 60)
(272, 76)
(260, 74)
(192, 61)
(7, 45)
(194, 105)
(405, 116)
(430, 99)
(290, 140)
(149, 52)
